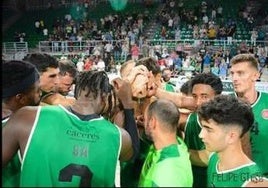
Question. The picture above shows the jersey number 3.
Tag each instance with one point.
(67, 173)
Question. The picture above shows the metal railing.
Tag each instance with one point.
(14, 50)
(86, 46)
(56, 47)
(13, 47)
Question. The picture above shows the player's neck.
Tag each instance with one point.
(84, 108)
(250, 96)
(164, 140)
(227, 162)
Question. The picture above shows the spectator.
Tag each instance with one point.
(230, 33)
(163, 33)
(135, 51)
(125, 51)
(206, 62)
(80, 65)
(254, 36)
(37, 27)
(166, 75)
(223, 69)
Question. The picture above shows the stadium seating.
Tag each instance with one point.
(26, 22)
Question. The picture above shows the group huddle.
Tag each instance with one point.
(132, 131)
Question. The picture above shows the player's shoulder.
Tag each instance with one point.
(24, 117)
(264, 94)
(27, 110)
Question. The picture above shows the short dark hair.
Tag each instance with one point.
(166, 112)
(151, 64)
(42, 61)
(166, 68)
(228, 110)
(186, 88)
(208, 79)
(67, 66)
(14, 72)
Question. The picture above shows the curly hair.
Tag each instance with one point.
(208, 79)
(228, 110)
(96, 83)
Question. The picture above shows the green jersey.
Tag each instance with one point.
(236, 177)
(259, 133)
(192, 140)
(11, 172)
(131, 170)
(64, 151)
(169, 87)
(169, 166)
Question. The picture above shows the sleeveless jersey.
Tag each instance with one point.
(192, 140)
(64, 151)
(236, 177)
(11, 172)
(43, 97)
(168, 167)
(259, 132)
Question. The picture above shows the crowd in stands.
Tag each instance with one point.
(122, 36)
(207, 20)
(179, 61)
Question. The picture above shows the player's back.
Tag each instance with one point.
(63, 150)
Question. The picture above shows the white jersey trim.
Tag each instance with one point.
(198, 121)
(233, 169)
(187, 122)
(256, 102)
(30, 136)
(68, 112)
(118, 168)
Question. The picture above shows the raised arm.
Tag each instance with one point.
(180, 100)
(130, 139)
(57, 98)
(140, 69)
